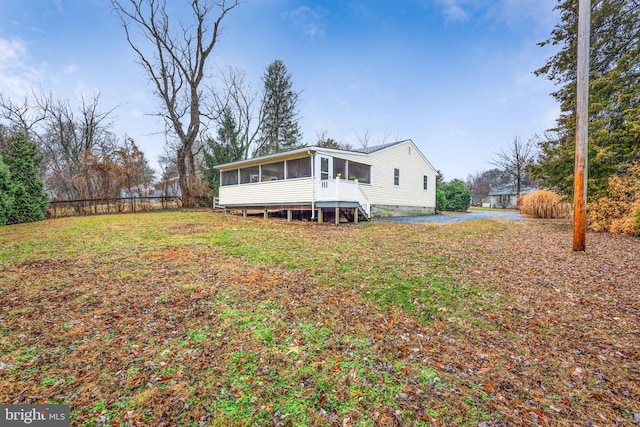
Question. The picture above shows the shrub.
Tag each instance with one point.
(441, 200)
(618, 211)
(28, 199)
(544, 204)
(457, 195)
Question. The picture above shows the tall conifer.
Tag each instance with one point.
(279, 129)
(614, 101)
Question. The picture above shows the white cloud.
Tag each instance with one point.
(310, 21)
(516, 13)
(454, 10)
(11, 53)
(15, 76)
(513, 13)
(70, 69)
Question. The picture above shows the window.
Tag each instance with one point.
(272, 172)
(250, 174)
(299, 168)
(425, 182)
(230, 177)
(359, 171)
(396, 177)
(340, 168)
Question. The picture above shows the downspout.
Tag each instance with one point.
(313, 194)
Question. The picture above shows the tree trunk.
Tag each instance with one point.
(183, 179)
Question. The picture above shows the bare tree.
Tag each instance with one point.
(323, 140)
(365, 138)
(480, 184)
(174, 57)
(515, 160)
(70, 140)
(23, 117)
(239, 99)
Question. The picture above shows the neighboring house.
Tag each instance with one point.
(389, 179)
(505, 197)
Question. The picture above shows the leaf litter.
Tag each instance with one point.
(210, 319)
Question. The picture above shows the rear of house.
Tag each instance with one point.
(390, 179)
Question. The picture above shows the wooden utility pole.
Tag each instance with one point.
(582, 134)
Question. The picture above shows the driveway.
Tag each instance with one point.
(454, 217)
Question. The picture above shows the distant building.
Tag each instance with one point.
(505, 197)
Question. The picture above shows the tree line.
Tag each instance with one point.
(213, 121)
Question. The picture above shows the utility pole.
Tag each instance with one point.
(582, 134)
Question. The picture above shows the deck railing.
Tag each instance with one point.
(342, 190)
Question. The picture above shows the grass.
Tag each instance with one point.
(192, 318)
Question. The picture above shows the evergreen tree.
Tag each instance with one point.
(6, 193)
(29, 199)
(456, 196)
(614, 101)
(224, 149)
(279, 129)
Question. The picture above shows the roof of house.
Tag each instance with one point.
(369, 150)
(511, 189)
(309, 150)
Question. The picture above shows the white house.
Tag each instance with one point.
(505, 197)
(389, 179)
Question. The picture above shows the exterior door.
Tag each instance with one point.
(324, 166)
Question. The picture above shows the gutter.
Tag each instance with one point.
(313, 194)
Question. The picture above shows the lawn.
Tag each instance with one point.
(200, 318)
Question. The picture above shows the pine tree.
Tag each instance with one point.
(224, 149)
(279, 129)
(6, 193)
(29, 199)
(614, 101)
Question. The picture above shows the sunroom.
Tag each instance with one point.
(313, 183)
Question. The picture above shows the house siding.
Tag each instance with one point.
(413, 167)
(288, 191)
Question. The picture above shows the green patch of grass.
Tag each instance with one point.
(51, 381)
(197, 335)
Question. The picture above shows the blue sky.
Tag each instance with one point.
(455, 76)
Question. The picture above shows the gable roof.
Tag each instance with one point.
(369, 150)
(300, 152)
(511, 190)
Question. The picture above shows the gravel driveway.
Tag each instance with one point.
(454, 217)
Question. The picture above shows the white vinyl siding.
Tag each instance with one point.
(268, 193)
(414, 168)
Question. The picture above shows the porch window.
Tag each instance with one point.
(339, 167)
(229, 177)
(250, 174)
(272, 171)
(360, 171)
(299, 168)
(396, 177)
